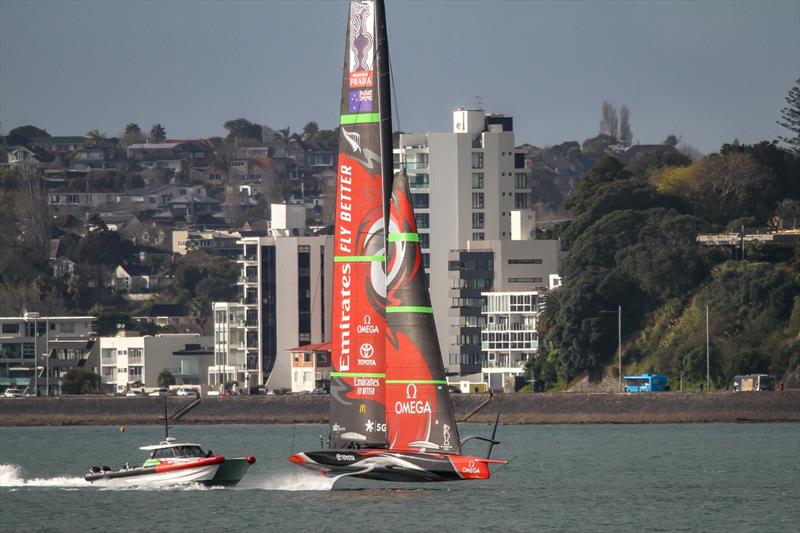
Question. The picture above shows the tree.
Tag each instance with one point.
(625, 133)
(165, 379)
(80, 381)
(609, 124)
(790, 118)
(310, 131)
(671, 140)
(94, 136)
(243, 129)
(133, 135)
(157, 134)
(24, 135)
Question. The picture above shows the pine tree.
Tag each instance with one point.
(157, 133)
(625, 133)
(790, 116)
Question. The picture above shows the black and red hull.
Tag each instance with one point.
(395, 465)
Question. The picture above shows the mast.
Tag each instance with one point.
(359, 321)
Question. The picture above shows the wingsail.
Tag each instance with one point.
(359, 321)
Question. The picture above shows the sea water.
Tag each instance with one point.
(693, 477)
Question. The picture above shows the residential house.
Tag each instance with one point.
(59, 145)
(311, 367)
(31, 160)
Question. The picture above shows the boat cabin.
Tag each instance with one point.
(174, 450)
(646, 383)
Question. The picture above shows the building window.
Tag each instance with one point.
(417, 180)
(521, 180)
(423, 220)
(477, 220)
(10, 328)
(520, 200)
(477, 180)
(424, 240)
(478, 236)
(419, 201)
(524, 261)
(426, 261)
(477, 200)
(524, 280)
(477, 159)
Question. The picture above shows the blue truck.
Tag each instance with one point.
(646, 383)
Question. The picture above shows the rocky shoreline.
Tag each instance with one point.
(523, 408)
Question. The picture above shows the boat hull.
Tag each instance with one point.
(395, 465)
(201, 471)
(231, 472)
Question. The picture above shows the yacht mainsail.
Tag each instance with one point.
(364, 170)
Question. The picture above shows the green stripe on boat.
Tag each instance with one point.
(409, 309)
(358, 258)
(410, 237)
(418, 381)
(355, 375)
(360, 118)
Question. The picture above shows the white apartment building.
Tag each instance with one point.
(230, 348)
(36, 351)
(510, 336)
(464, 186)
(287, 285)
(127, 359)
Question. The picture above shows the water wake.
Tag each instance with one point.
(11, 476)
(288, 481)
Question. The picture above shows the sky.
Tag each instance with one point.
(708, 72)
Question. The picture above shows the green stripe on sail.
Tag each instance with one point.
(358, 258)
(410, 237)
(418, 381)
(409, 309)
(355, 375)
(360, 118)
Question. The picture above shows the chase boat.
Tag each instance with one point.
(171, 462)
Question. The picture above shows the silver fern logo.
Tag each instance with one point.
(353, 138)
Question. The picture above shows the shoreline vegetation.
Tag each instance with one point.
(521, 408)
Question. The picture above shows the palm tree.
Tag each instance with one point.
(551, 306)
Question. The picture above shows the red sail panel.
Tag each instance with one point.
(358, 322)
(418, 410)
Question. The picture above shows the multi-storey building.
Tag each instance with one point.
(286, 291)
(464, 186)
(52, 344)
(230, 347)
(125, 359)
(486, 267)
(509, 338)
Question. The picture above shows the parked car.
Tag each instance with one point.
(188, 392)
(134, 394)
(159, 392)
(12, 392)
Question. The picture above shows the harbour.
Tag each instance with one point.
(667, 477)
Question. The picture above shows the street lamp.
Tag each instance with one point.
(618, 312)
(35, 317)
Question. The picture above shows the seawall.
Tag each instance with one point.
(523, 408)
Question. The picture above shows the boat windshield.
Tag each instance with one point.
(177, 451)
